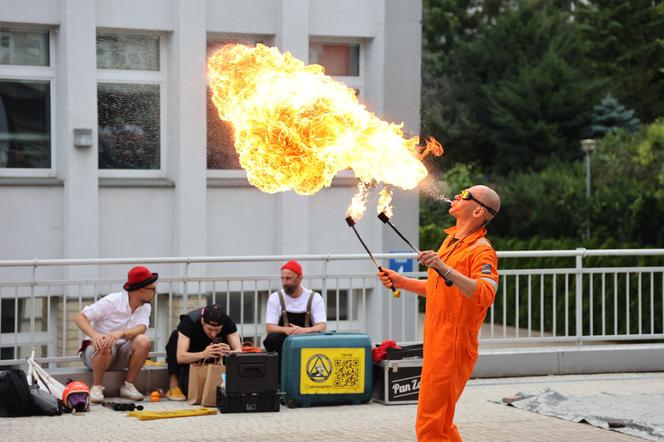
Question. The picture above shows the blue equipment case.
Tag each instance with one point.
(326, 368)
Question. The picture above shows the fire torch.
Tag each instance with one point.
(351, 223)
(386, 219)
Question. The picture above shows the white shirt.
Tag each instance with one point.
(295, 305)
(112, 312)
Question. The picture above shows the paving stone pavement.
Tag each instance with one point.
(478, 418)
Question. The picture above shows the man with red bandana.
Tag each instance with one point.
(460, 287)
(293, 310)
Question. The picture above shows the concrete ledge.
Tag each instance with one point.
(493, 363)
(136, 182)
(570, 360)
(32, 181)
(149, 378)
(341, 180)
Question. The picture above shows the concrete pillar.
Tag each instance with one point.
(394, 95)
(293, 214)
(403, 35)
(76, 107)
(187, 139)
(293, 28)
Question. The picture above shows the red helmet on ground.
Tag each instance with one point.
(76, 397)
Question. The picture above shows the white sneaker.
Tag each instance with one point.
(129, 391)
(97, 394)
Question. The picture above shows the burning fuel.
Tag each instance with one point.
(294, 127)
(351, 223)
(358, 204)
(384, 201)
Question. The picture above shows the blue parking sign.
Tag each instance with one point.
(401, 264)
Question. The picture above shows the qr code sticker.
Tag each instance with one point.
(347, 373)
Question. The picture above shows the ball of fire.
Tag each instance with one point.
(295, 128)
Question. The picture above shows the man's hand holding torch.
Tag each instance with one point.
(431, 260)
(390, 278)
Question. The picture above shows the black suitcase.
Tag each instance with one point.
(251, 372)
(247, 402)
(406, 351)
(251, 383)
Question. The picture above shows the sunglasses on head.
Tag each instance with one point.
(466, 195)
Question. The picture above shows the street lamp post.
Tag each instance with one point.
(588, 146)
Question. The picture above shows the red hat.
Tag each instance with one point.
(139, 277)
(293, 266)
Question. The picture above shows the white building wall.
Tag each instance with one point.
(151, 15)
(399, 36)
(347, 18)
(136, 222)
(259, 17)
(187, 210)
(31, 226)
(75, 84)
(187, 137)
(247, 210)
(40, 12)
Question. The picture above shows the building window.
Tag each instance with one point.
(338, 59)
(25, 100)
(341, 60)
(130, 102)
(128, 52)
(221, 152)
(129, 136)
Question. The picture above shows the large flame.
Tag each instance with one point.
(358, 204)
(384, 201)
(295, 127)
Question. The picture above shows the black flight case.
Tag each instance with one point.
(251, 383)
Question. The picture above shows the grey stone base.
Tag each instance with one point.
(569, 360)
(149, 378)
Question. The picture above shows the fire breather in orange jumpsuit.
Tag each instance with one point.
(451, 328)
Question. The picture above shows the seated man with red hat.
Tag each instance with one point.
(293, 310)
(203, 334)
(116, 326)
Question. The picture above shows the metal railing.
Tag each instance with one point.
(578, 304)
(38, 313)
(574, 304)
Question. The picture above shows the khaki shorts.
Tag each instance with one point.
(119, 361)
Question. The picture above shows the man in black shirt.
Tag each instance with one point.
(204, 333)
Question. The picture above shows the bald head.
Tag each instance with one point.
(488, 196)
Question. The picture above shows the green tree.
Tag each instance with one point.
(447, 22)
(628, 178)
(627, 195)
(624, 51)
(609, 114)
(515, 95)
(446, 111)
(538, 114)
(511, 95)
(549, 203)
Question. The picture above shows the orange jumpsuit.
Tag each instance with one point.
(451, 327)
